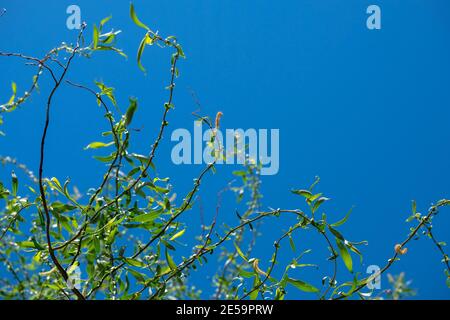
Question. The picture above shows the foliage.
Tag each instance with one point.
(124, 237)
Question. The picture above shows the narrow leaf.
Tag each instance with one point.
(240, 253)
(345, 255)
(136, 19)
(130, 111)
(343, 220)
(97, 145)
(170, 261)
(303, 286)
(177, 235)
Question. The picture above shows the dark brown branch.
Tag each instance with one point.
(55, 260)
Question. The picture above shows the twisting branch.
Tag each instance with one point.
(55, 260)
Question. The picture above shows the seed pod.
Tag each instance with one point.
(400, 250)
(218, 116)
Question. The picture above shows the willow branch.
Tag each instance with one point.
(55, 260)
(433, 210)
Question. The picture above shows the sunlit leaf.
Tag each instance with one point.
(304, 193)
(148, 217)
(140, 52)
(130, 111)
(177, 235)
(240, 253)
(303, 286)
(97, 145)
(15, 183)
(343, 220)
(136, 19)
(135, 263)
(345, 255)
(170, 261)
(95, 37)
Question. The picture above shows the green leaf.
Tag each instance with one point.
(15, 183)
(140, 51)
(149, 40)
(56, 182)
(135, 263)
(105, 159)
(304, 193)
(136, 19)
(303, 286)
(316, 181)
(345, 255)
(255, 293)
(170, 261)
(240, 253)
(37, 245)
(279, 295)
(14, 92)
(355, 250)
(26, 244)
(59, 208)
(177, 235)
(106, 48)
(180, 51)
(138, 276)
(97, 145)
(343, 220)
(148, 217)
(33, 244)
(318, 203)
(336, 233)
(72, 268)
(95, 37)
(291, 243)
(107, 91)
(104, 21)
(246, 274)
(130, 111)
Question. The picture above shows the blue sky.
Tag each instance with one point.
(366, 110)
